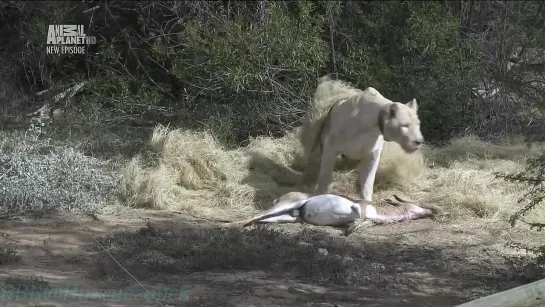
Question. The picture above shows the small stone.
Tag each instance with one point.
(530, 271)
(323, 251)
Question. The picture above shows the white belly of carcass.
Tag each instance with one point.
(330, 210)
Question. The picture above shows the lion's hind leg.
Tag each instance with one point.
(311, 170)
(327, 166)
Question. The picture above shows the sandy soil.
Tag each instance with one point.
(419, 263)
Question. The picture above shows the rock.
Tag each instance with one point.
(323, 251)
(530, 271)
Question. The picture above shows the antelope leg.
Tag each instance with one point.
(413, 211)
(409, 212)
(279, 219)
(237, 224)
(351, 227)
(278, 209)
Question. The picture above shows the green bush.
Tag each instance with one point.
(533, 176)
(258, 77)
(211, 65)
(413, 50)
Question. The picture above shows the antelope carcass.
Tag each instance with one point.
(334, 210)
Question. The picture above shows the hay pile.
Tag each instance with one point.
(190, 171)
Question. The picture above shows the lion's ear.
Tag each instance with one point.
(392, 111)
(412, 104)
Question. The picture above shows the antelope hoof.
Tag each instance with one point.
(398, 201)
(350, 229)
(232, 225)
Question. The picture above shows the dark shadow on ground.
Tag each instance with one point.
(276, 265)
(351, 270)
(270, 180)
(264, 171)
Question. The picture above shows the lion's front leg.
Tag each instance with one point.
(367, 172)
(327, 166)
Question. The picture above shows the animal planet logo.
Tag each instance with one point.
(68, 39)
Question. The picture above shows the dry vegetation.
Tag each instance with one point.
(38, 176)
(238, 69)
(190, 171)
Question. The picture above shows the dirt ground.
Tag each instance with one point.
(54, 261)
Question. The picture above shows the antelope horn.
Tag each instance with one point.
(401, 199)
(392, 202)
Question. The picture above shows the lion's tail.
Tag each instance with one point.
(309, 134)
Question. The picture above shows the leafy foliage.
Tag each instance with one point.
(256, 77)
(534, 177)
(246, 69)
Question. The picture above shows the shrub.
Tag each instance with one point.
(37, 176)
(533, 177)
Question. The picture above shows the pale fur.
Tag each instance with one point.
(345, 121)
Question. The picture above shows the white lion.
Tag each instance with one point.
(355, 124)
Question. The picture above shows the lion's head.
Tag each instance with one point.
(400, 124)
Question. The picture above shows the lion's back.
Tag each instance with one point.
(330, 92)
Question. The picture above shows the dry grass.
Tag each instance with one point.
(191, 172)
(39, 177)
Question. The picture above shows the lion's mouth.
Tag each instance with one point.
(412, 148)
